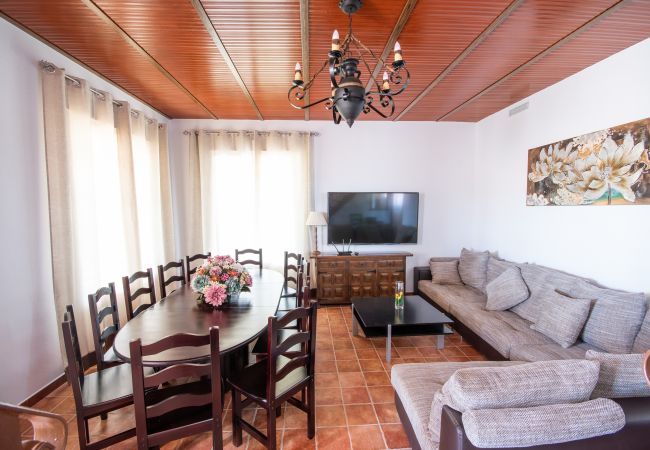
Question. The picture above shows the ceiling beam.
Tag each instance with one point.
(81, 63)
(397, 30)
(129, 40)
(304, 39)
(470, 48)
(539, 56)
(209, 27)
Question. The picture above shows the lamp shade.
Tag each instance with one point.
(316, 219)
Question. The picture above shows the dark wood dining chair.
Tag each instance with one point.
(179, 277)
(293, 263)
(96, 393)
(190, 259)
(249, 262)
(261, 346)
(104, 334)
(269, 383)
(131, 297)
(187, 400)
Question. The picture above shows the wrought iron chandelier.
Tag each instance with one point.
(349, 96)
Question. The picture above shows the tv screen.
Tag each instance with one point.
(373, 217)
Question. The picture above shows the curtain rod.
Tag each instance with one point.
(49, 67)
(266, 133)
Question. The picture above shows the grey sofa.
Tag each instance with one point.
(507, 335)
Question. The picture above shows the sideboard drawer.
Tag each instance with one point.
(327, 266)
(362, 265)
(396, 264)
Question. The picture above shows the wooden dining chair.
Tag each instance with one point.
(249, 262)
(276, 379)
(164, 282)
(104, 334)
(187, 400)
(96, 393)
(190, 259)
(261, 346)
(293, 263)
(131, 297)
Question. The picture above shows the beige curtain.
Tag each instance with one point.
(252, 190)
(109, 195)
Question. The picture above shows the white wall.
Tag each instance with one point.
(29, 345)
(609, 244)
(425, 157)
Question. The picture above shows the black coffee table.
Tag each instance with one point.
(377, 316)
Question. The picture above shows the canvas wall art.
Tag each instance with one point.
(607, 167)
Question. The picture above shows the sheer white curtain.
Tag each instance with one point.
(106, 196)
(253, 192)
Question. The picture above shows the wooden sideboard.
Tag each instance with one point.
(341, 278)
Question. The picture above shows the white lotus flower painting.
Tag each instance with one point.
(607, 167)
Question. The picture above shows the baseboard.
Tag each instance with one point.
(88, 360)
(44, 391)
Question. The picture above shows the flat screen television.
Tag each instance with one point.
(373, 217)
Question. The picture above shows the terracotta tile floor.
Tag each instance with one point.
(354, 399)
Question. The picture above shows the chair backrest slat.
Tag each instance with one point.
(294, 314)
(291, 341)
(292, 365)
(176, 371)
(178, 402)
(292, 266)
(130, 297)
(249, 262)
(103, 336)
(190, 259)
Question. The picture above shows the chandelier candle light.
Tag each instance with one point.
(349, 96)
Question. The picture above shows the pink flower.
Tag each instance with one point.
(215, 295)
(215, 271)
(225, 277)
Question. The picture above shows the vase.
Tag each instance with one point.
(232, 297)
(399, 295)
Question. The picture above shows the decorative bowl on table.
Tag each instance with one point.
(220, 280)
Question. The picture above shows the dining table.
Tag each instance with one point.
(240, 322)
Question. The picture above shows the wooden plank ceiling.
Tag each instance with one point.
(234, 59)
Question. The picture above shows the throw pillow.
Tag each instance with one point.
(506, 290)
(445, 272)
(532, 384)
(614, 320)
(472, 268)
(542, 425)
(562, 318)
(620, 375)
(497, 266)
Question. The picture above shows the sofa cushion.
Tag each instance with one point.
(620, 375)
(497, 266)
(506, 290)
(532, 384)
(473, 268)
(562, 318)
(416, 385)
(446, 294)
(542, 425)
(548, 352)
(542, 281)
(445, 272)
(642, 340)
(615, 317)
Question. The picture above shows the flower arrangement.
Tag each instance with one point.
(218, 279)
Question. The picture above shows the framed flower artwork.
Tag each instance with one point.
(607, 167)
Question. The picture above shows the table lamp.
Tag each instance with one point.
(315, 220)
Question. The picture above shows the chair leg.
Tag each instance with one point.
(311, 409)
(278, 411)
(236, 415)
(270, 429)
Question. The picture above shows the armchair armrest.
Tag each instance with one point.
(633, 436)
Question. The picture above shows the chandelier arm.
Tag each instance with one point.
(311, 81)
(394, 93)
(336, 115)
(387, 100)
(333, 72)
(365, 63)
(299, 96)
